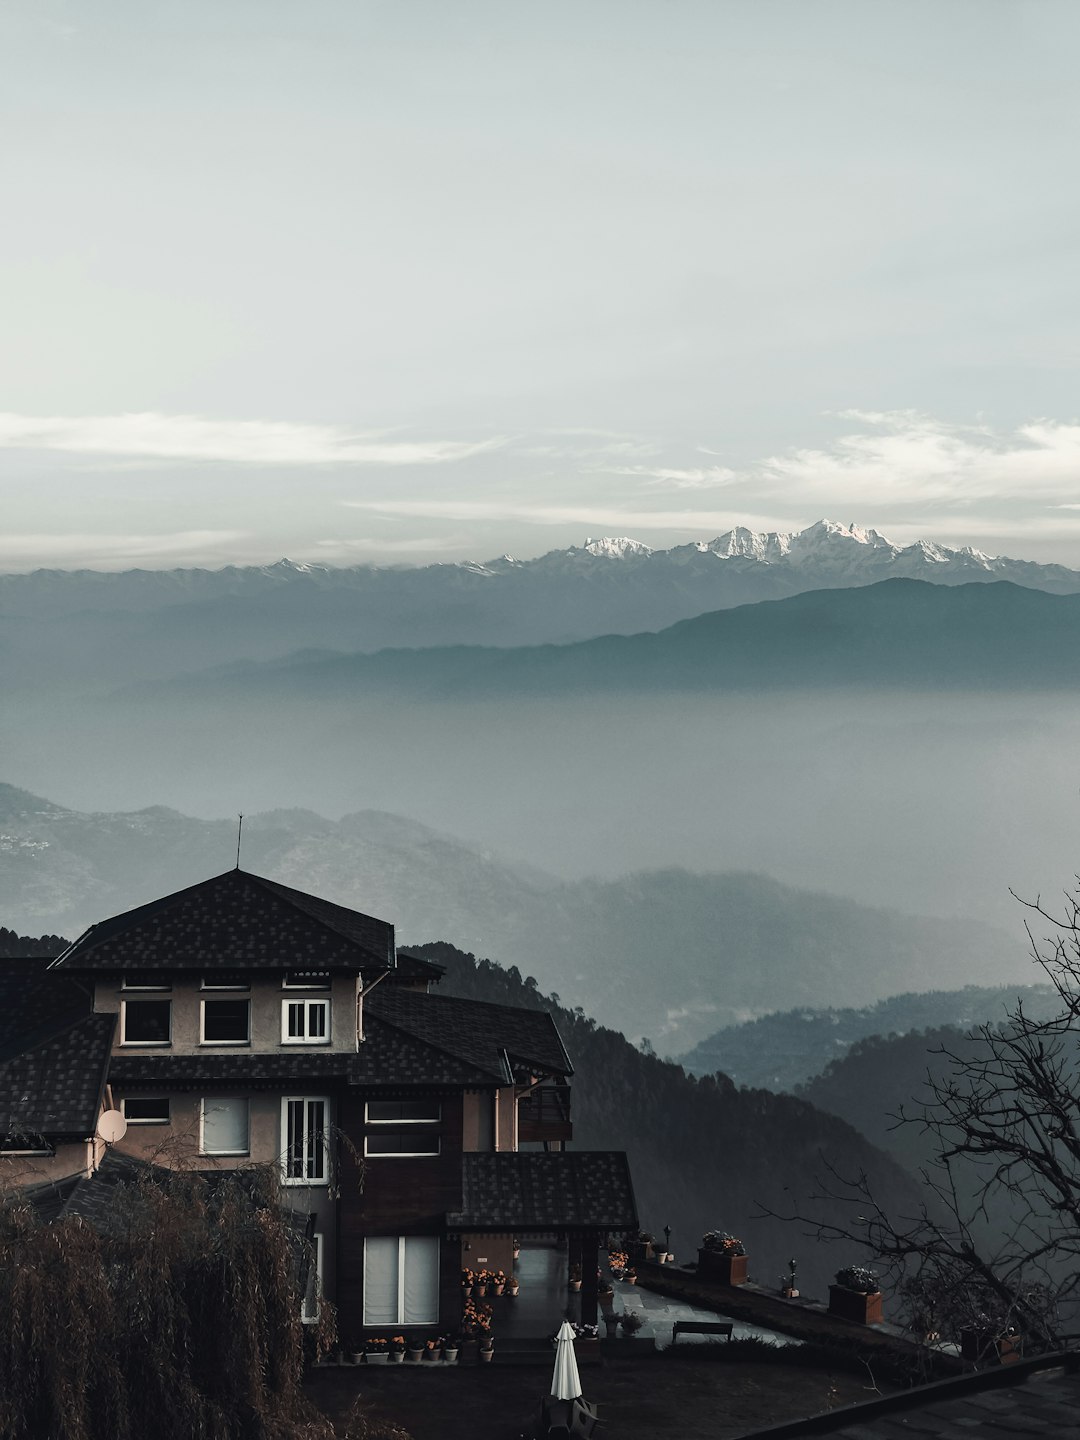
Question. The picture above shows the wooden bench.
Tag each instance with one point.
(701, 1327)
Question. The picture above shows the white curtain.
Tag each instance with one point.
(381, 1280)
(421, 1280)
(225, 1125)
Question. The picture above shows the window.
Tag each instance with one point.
(226, 1022)
(224, 1125)
(226, 980)
(145, 980)
(146, 1109)
(305, 1022)
(306, 980)
(303, 1142)
(403, 1112)
(401, 1280)
(422, 1143)
(309, 1312)
(145, 1022)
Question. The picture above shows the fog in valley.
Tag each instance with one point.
(935, 804)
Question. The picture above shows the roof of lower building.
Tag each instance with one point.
(52, 1086)
(541, 1190)
(502, 1040)
(234, 921)
(1038, 1397)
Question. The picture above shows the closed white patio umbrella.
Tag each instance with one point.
(565, 1383)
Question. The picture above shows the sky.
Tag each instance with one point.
(416, 281)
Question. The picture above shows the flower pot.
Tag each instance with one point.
(377, 1357)
(481, 1290)
(986, 1348)
(862, 1309)
(499, 1289)
(466, 1290)
(722, 1266)
(512, 1289)
(432, 1355)
(450, 1354)
(415, 1355)
(486, 1356)
(631, 1279)
(357, 1357)
(397, 1357)
(575, 1285)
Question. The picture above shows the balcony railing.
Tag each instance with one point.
(544, 1114)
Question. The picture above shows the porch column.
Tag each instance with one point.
(590, 1281)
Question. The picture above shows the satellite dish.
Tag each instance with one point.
(111, 1126)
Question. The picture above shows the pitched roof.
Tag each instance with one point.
(34, 1001)
(1037, 1397)
(53, 1087)
(233, 921)
(540, 1190)
(483, 1035)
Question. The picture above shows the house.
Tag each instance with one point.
(247, 1022)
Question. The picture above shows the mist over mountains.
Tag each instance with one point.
(59, 627)
(666, 954)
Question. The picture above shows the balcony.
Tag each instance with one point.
(544, 1114)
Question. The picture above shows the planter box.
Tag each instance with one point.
(854, 1305)
(725, 1269)
(983, 1347)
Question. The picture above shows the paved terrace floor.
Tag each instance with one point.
(544, 1301)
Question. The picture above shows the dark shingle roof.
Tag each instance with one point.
(231, 921)
(1038, 1397)
(54, 1086)
(538, 1190)
(415, 967)
(475, 1031)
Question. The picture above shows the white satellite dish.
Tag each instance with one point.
(111, 1126)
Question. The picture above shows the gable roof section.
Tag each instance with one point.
(234, 921)
(53, 1087)
(538, 1190)
(483, 1035)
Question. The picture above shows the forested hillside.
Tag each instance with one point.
(13, 946)
(787, 1048)
(704, 1155)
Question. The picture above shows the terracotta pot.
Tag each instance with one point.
(466, 1290)
(499, 1289)
(722, 1266)
(481, 1290)
(854, 1305)
(631, 1279)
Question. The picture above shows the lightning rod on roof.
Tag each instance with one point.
(239, 833)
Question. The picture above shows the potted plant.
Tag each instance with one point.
(986, 1338)
(512, 1285)
(575, 1277)
(433, 1350)
(416, 1350)
(631, 1276)
(480, 1284)
(357, 1356)
(631, 1323)
(611, 1324)
(487, 1348)
(451, 1348)
(722, 1257)
(377, 1350)
(397, 1350)
(498, 1281)
(467, 1281)
(856, 1295)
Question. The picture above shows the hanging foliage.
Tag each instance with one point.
(172, 1310)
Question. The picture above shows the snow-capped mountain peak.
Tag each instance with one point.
(616, 547)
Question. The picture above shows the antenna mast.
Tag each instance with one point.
(239, 834)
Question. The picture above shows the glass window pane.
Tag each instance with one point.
(146, 1109)
(294, 1140)
(316, 1140)
(225, 1125)
(147, 1021)
(381, 1280)
(295, 1025)
(385, 1112)
(316, 1018)
(226, 1020)
(421, 1305)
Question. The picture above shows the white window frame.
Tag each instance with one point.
(309, 1314)
(308, 1005)
(306, 1178)
(134, 1120)
(402, 1241)
(202, 1026)
(401, 1154)
(243, 1099)
(313, 984)
(209, 983)
(435, 1119)
(143, 1043)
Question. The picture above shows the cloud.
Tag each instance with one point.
(600, 515)
(696, 478)
(98, 551)
(910, 458)
(245, 442)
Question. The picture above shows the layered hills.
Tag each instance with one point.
(669, 954)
